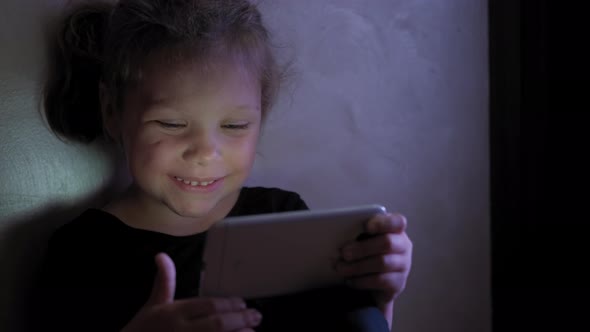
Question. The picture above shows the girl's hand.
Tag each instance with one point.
(163, 313)
(381, 261)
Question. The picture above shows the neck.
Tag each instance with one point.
(143, 213)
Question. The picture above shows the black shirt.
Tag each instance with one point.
(99, 272)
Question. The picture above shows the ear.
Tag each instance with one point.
(110, 118)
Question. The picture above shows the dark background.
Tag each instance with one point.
(539, 134)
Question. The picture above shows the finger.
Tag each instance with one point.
(374, 264)
(228, 321)
(390, 283)
(387, 223)
(165, 281)
(377, 245)
(199, 307)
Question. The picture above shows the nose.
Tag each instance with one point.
(202, 148)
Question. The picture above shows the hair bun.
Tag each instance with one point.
(72, 103)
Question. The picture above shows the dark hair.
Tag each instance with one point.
(110, 43)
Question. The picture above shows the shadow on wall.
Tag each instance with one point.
(22, 247)
(24, 235)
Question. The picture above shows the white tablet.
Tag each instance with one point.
(281, 253)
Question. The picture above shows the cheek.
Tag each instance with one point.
(153, 155)
(242, 153)
(147, 152)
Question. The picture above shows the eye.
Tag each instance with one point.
(170, 125)
(234, 126)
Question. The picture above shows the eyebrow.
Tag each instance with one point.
(161, 106)
(247, 107)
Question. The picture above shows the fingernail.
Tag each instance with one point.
(241, 304)
(399, 219)
(372, 226)
(255, 317)
(334, 263)
(348, 253)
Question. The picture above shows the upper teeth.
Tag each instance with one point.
(194, 183)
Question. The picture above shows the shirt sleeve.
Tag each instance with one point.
(294, 202)
(260, 200)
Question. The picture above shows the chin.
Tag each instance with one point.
(191, 213)
(195, 210)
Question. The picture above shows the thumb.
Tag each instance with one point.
(165, 281)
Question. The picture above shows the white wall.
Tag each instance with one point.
(389, 105)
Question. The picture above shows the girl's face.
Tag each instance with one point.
(190, 137)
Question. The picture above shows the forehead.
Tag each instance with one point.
(224, 79)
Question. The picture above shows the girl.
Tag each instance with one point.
(182, 87)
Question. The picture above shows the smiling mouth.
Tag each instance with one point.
(195, 183)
